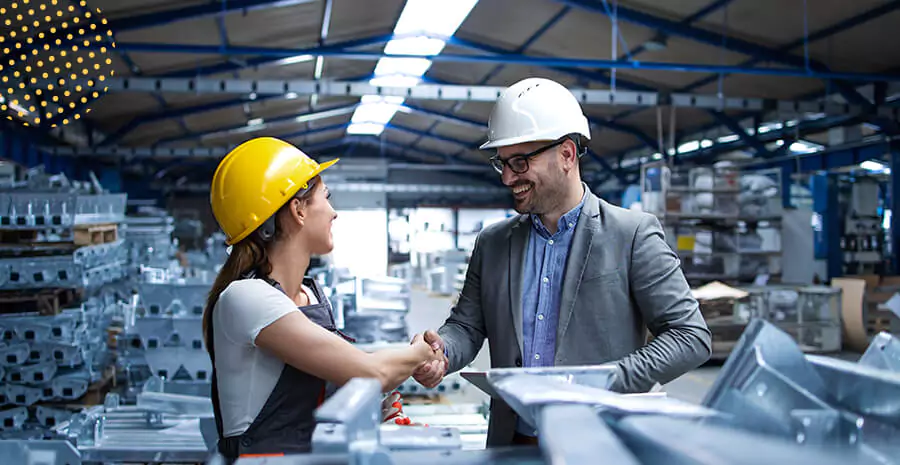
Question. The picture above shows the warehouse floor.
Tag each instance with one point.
(429, 310)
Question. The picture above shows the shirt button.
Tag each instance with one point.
(571, 225)
(540, 316)
(550, 242)
(537, 356)
(546, 279)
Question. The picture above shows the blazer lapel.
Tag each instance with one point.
(578, 254)
(517, 243)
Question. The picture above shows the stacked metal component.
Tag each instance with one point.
(149, 240)
(770, 404)
(163, 337)
(51, 362)
(60, 260)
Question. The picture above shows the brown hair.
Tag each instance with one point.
(250, 254)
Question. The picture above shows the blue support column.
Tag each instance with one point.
(788, 168)
(895, 208)
(827, 236)
(110, 178)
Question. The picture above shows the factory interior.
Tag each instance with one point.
(760, 135)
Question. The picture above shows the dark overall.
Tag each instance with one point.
(286, 422)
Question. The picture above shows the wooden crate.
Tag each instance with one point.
(42, 301)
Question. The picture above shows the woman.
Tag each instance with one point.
(268, 329)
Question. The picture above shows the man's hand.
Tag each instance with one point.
(431, 373)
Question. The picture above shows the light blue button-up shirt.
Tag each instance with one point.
(545, 265)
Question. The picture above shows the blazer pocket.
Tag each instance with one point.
(601, 276)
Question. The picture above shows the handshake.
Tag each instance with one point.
(432, 370)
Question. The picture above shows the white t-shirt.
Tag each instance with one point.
(246, 375)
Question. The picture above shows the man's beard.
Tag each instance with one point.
(544, 198)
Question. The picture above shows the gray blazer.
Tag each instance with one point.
(621, 277)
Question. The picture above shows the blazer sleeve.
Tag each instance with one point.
(464, 331)
(682, 341)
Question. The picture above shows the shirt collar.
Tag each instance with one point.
(565, 222)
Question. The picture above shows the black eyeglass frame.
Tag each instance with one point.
(498, 163)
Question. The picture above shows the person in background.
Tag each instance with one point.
(571, 280)
(269, 330)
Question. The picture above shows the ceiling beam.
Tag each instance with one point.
(824, 33)
(797, 70)
(161, 18)
(439, 92)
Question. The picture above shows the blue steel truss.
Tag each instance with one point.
(796, 65)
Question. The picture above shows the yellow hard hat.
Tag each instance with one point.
(256, 179)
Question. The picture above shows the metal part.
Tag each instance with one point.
(528, 394)
(35, 210)
(592, 439)
(771, 388)
(671, 441)
(357, 406)
(883, 353)
(332, 438)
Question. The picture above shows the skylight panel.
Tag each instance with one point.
(425, 24)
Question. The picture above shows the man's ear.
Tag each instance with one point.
(570, 154)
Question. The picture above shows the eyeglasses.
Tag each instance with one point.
(519, 163)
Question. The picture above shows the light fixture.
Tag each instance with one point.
(872, 165)
(658, 42)
(421, 29)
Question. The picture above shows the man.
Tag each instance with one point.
(572, 280)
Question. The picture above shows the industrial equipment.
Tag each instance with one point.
(770, 404)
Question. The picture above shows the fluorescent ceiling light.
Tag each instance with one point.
(379, 112)
(440, 17)
(255, 122)
(657, 156)
(689, 146)
(293, 60)
(419, 23)
(365, 128)
(872, 165)
(403, 66)
(804, 147)
(706, 143)
(418, 45)
(291, 95)
(726, 139)
(395, 80)
(317, 115)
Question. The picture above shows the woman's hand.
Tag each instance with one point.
(433, 358)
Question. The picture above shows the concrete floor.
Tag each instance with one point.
(428, 311)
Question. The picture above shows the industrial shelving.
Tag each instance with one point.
(724, 223)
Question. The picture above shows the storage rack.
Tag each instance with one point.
(724, 223)
(62, 262)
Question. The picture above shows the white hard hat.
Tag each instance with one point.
(535, 109)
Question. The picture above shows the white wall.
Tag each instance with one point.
(360, 241)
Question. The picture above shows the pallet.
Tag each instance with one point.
(81, 235)
(41, 301)
(93, 234)
(97, 391)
